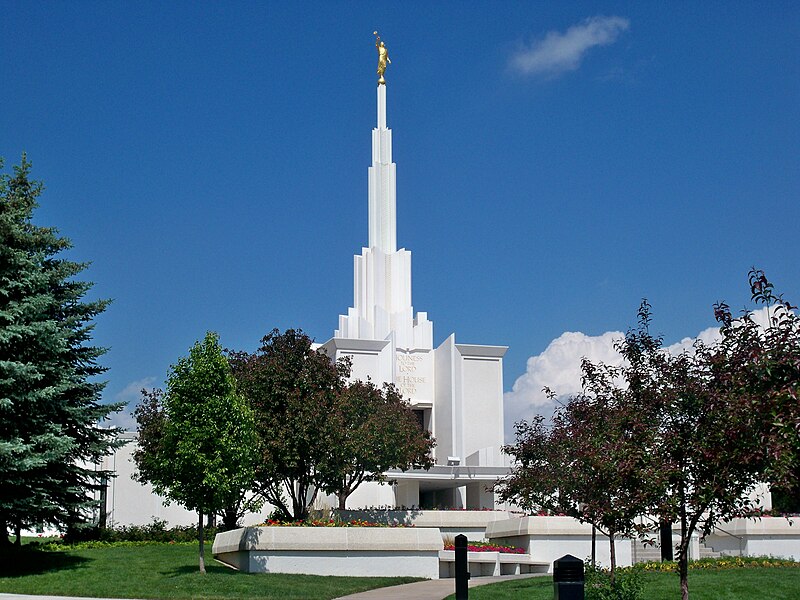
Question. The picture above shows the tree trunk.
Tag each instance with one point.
(342, 500)
(613, 552)
(665, 533)
(4, 541)
(683, 569)
(298, 507)
(202, 542)
(594, 545)
(18, 533)
(230, 518)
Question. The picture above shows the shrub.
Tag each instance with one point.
(155, 531)
(627, 584)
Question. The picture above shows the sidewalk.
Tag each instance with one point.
(433, 589)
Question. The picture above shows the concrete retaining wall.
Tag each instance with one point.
(350, 551)
(547, 538)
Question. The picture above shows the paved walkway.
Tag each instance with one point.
(433, 589)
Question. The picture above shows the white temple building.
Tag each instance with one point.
(455, 389)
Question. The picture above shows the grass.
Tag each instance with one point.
(161, 571)
(754, 583)
(170, 571)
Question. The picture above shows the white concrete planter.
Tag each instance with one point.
(490, 564)
(768, 536)
(345, 551)
(546, 539)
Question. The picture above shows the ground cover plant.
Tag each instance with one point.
(727, 578)
(155, 570)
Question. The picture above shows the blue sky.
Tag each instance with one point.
(556, 163)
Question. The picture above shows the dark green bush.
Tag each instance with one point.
(155, 531)
(627, 585)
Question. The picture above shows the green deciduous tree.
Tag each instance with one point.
(197, 441)
(50, 438)
(372, 430)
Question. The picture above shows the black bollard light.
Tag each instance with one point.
(568, 578)
(462, 575)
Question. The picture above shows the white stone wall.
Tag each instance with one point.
(549, 538)
(482, 398)
(768, 536)
(131, 503)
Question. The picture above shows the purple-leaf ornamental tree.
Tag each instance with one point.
(373, 430)
(684, 438)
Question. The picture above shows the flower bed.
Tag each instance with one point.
(328, 523)
(415, 508)
(725, 562)
(487, 547)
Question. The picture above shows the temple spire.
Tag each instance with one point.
(382, 307)
(382, 186)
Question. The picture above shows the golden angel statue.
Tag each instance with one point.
(383, 58)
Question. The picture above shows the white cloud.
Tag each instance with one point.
(559, 52)
(559, 368)
(130, 395)
(711, 335)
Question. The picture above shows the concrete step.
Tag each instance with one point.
(706, 552)
(649, 553)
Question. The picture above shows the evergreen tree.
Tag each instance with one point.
(50, 414)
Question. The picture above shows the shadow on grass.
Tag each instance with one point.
(18, 562)
(214, 568)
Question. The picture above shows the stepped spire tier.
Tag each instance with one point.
(382, 184)
(382, 274)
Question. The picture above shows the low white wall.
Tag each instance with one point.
(490, 564)
(768, 536)
(471, 523)
(350, 551)
(546, 539)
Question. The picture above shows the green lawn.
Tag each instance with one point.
(161, 571)
(170, 571)
(730, 584)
